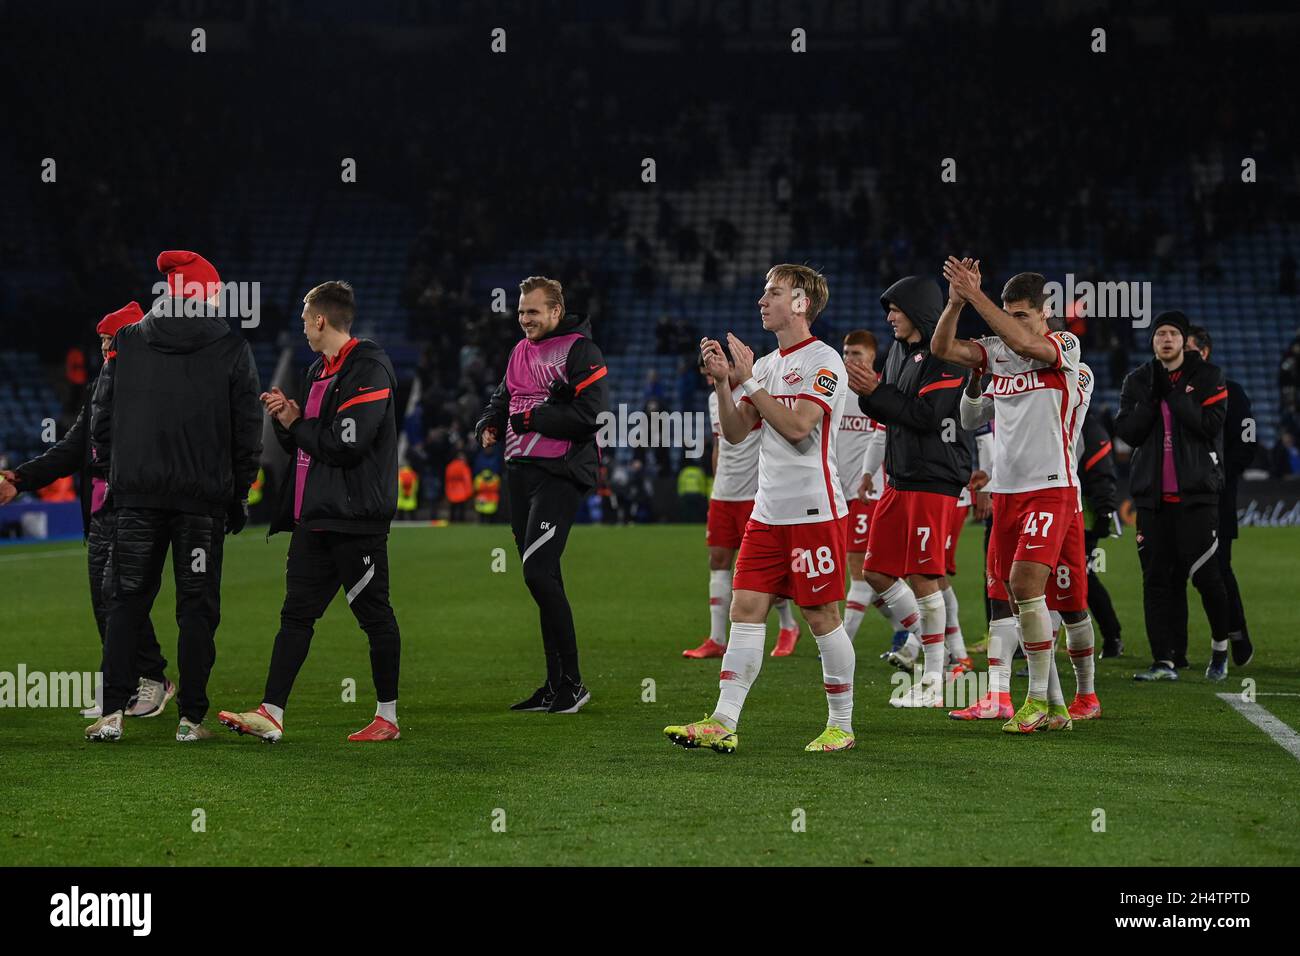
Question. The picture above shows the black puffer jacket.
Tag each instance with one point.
(1197, 397)
(349, 449)
(176, 422)
(917, 400)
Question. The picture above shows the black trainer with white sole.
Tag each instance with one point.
(539, 701)
(570, 698)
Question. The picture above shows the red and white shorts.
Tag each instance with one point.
(908, 533)
(994, 586)
(1031, 526)
(860, 514)
(955, 523)
(1067, 585)
(800, 561)
(726, 523)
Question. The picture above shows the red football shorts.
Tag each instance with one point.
(1067, 586)
(726, 523)
(860, 513)
(908, 532)
(955, 524)
(1032, 526)
(800, 561)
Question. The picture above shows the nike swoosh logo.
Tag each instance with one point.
(815, 590)
(1030, 547)
(923, 560)
(366, 388)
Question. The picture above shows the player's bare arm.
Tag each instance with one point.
(1010, 329)
(736, 420)
(944, 343)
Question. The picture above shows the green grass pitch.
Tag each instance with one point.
(1181, 777)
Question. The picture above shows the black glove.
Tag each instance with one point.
(561, 391)
(522, 422)
(1101, 524)
(236, 517)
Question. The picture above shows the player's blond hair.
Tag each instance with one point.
(807, 278)
(554, 291)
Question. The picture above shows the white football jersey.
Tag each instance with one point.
(858, 433)
(799, 483)
(736, 478)
(1036, 409)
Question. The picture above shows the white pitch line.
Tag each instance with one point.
(62, 552)
(1278, 732)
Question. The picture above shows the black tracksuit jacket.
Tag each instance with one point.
(1197, 397)
(351, 482)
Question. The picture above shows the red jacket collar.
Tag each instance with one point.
(333, 365)
(798, 345)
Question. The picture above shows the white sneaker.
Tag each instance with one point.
(924, 694)
(92, 712)
(106, 728)
(151, 697)
(188, 732)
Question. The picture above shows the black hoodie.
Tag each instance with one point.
(917, 399)
(175, 422)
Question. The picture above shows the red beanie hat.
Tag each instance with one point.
(112, 323)
(189, 275)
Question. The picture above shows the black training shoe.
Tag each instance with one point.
(1218, 668)
(1242, 650)
(1112, 647)
(570, 698)
(541, 699)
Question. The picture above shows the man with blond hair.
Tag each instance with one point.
(546, 412)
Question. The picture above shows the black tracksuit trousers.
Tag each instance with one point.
(320, 564)
(141, 539)
(149, 659)
(542, 508)
(1177, 541)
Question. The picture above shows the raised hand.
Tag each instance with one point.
(288, 412)
(862, 378)
(489, 436)
(715, 360)
(963, 277)
(742, 357)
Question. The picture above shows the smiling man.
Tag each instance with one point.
(545, 411)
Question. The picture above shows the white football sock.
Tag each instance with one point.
(719, 605)
(786, 613)
(899, 605)
(387, 709)
(1057, 621)
(1054, 693)
(838, 661)
(932, 623)
(276, 712)
(740, 667)
(1219, 646)
(952, 637)
(1079, 640)
(855, 606)
(1003, 641)
(1035, 628)
(911, 647)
